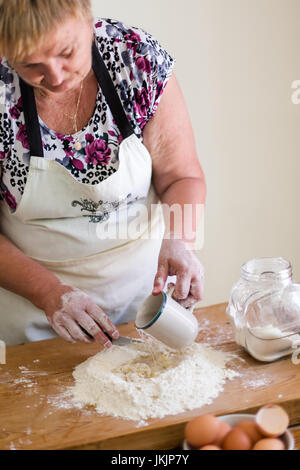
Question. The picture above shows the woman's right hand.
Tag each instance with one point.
(73, 314)
(68, 310)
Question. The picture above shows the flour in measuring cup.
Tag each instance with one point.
(134, 382)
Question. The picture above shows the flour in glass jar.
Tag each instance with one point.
(148, 380)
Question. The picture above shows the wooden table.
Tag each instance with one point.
(36, 411)
(296, 433)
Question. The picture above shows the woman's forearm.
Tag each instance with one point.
(187, 196)
(23, 276)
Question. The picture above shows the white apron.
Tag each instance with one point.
(103, 239)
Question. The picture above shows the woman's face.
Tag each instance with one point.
(62, 60)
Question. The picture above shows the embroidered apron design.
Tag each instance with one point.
(51, 227)
(106, 207)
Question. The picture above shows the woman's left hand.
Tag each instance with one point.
(177, 258)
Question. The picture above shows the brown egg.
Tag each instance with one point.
(237, 439)
(269, 443)
(272, 420)
(210, 447)
(223, 431)
(202, 430)
(250, 428)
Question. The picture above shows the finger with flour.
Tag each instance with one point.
(76, 317)
(75, 331)
(62, 332)
(160, 277)
(102, 320)
(182, 287)
(188, 302)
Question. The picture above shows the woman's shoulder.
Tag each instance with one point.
(139, 66)
(7, 74)
(113, 31)
(5, 70)
(9, 88)
(117, 30)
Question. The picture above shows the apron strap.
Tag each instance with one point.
(31, 120)
(108, 89)
(110, 93)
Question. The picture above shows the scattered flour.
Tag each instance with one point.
(215, 333)
(139, 382)
(62, 400)
(258, 383)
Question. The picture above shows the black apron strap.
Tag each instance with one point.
(110, 93)
(31, 120)
(108, 89)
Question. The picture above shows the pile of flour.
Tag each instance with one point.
(143, 380)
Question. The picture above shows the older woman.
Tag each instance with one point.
(95, 140)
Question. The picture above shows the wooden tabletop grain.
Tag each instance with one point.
(36, 409)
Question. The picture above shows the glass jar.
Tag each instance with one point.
(264, 309)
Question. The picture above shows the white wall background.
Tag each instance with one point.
(236, 61)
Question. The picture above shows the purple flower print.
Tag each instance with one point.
(141, 121)
(3, 155)
(89, 138)
(114, 134)
(67, 140)
(69, 152)
(98, 152)
(133, 40)
(141, 103)
(77, 163)
(14, 112)
(22, 136)
(132, 36)
(64, 138)
(143, 64)
(9, 198)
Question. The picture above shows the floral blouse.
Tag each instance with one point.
(140, 69)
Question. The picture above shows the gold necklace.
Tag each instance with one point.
(78, 145)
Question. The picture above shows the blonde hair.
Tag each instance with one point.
(24, 23)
